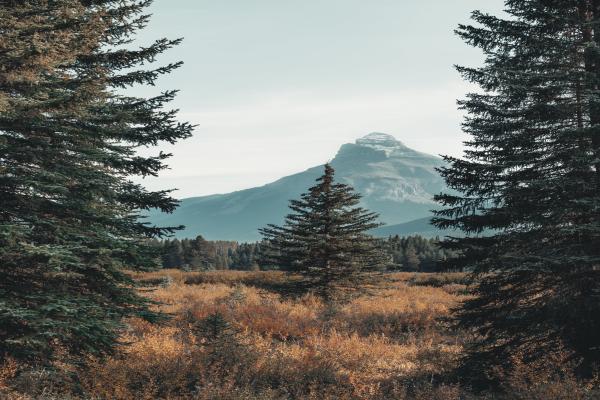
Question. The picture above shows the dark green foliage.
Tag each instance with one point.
(223, 349)
(325, 240)
(530, 183)
(198, 254)
(247, 256)
(202, 255)
(411, 253)
(69, 216)
(416, 253)
(215, 329)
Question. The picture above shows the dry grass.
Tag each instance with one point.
(391, 344)
(297, 348)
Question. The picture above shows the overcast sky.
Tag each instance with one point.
(276, 86)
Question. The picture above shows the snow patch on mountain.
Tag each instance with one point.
(382, 142)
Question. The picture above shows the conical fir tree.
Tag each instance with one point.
(69, 215)
(530, 182)
(325, 240)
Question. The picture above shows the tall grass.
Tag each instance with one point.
(391, 344)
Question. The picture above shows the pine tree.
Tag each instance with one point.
(70, 216)
(411, 260)
(325, 240)
(216, 332)
(172, 254)
(530, 182)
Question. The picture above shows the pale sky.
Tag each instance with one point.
(277, 86)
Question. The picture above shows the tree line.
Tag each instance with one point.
(408, 253)
(200, 254)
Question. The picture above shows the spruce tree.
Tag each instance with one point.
(326, 240)
(411, 260)
(69, 214)
(529, 185)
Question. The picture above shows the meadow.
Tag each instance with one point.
(233, 335)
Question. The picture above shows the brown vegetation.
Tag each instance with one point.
(392, 344)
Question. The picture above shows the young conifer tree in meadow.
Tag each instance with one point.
(530, 183)
(69, 214)
(326, 240)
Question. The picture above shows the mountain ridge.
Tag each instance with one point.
(395, 181)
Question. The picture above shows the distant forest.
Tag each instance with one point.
(411, 253)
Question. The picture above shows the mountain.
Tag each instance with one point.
(395, 181)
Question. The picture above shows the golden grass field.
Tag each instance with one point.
(391, 344)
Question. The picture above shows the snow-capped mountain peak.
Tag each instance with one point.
(382, 142)
(379, 139)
